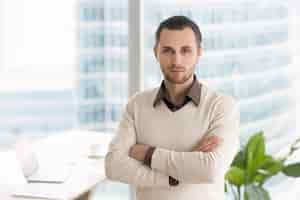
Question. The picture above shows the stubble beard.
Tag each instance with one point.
(169, 77)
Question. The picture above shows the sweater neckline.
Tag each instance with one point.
(181, 110)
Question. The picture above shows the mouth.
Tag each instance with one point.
(177, 69)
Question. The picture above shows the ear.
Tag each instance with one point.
(200, 51)
(155, 51)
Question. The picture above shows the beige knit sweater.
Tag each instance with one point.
(174, 134)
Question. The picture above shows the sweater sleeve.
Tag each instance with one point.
(120, 167)
(201, 167)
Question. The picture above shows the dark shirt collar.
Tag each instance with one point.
(194, 93)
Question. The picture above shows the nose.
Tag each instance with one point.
(177, 59)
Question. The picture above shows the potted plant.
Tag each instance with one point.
(252, 168)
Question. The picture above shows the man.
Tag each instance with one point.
(176, 141)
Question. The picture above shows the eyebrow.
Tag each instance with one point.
(185, 47)
(167, 47)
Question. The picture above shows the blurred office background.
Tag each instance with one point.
(64, 65)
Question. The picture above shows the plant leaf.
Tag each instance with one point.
(239, 160)
(255, 153)
(235, 176)
(292, 170)
(271, 165)
(260, 178)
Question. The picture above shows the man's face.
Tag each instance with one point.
(177, 53)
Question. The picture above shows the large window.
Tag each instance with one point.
(102, 74)
(234, 61)
(102, 81)
(253, 65)
(37, 61)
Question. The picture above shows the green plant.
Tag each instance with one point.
(252, 167)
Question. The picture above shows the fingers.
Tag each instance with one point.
(134, 150)
(208, 147)
(209, 139)
(208, 144)
(138, 151)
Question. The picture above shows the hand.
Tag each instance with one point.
(138, 151)
(208, 144)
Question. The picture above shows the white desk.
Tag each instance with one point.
(72, 147)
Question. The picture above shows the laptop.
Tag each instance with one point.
(40, 171)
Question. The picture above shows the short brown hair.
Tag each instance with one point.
(178, 23)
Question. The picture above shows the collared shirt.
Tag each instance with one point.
(193, 95)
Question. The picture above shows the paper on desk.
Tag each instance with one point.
(41, 191)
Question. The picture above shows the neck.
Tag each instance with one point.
(177, 92)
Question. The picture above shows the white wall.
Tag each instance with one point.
(38, 33)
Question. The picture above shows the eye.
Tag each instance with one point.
(186, 50)
(166, 50)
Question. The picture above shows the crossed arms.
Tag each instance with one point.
(203, 164)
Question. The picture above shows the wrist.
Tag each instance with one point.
(148, 156)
